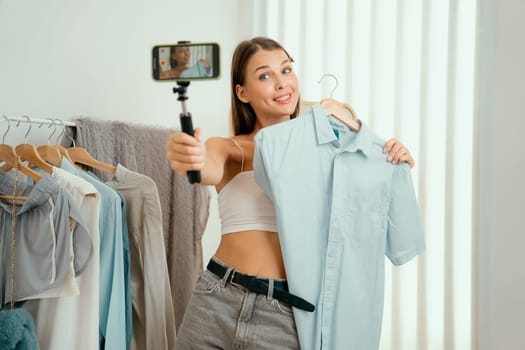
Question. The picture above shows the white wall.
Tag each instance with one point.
(501, 96)
(63, 59)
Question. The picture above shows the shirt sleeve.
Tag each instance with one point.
(405, 238)
(261, 165)
(82, 244)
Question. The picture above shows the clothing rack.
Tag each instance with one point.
(26, 119)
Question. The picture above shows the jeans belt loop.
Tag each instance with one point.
(270, 289)
(231, 276)
(228, 276)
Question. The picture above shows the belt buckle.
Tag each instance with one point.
(235, 284)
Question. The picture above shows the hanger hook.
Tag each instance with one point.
(62, 132)
(61, 122)
(336, 82)
(54, 130)
(8, 127)
(29, 129)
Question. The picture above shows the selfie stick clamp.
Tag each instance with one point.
(186, 123)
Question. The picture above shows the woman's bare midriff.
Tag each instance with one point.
(253, 252)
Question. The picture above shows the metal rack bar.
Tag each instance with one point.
(26, 119)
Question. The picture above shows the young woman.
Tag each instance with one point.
(241, 300)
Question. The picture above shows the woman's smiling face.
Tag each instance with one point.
(270, 86)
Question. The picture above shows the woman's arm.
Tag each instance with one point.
(189, 153)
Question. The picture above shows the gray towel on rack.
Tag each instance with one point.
(185, 207)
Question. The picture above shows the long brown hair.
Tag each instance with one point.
(242, 114)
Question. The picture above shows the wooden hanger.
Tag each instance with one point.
(61, 149)
(81, 156)
(8, 156)
(7, 152)
(28, 152)
(22, 169)
(49, 153)
(342, 112)
(63, 152)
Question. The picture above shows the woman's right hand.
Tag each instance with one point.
(185, 152)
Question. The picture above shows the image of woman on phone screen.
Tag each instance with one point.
(180, 65)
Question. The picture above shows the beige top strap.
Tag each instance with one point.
(242, 153)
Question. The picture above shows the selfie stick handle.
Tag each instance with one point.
(186, 124)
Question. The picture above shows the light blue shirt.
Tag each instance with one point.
(197, 71)
(340, 208)
(112, 295)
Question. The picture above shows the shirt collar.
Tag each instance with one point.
(325, 133)
(323, 129)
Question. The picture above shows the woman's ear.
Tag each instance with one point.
(241, 93)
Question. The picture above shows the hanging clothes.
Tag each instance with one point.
(72, 322)
(51, 233)
(153, 318)
(112, 297)
(17, 329)
(185, 208)
(358, 207)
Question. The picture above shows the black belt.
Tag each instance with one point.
(260, 286)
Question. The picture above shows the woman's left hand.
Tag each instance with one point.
(397, 153)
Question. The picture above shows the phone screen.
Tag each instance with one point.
(180, 62)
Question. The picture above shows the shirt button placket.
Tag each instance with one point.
(333, 258)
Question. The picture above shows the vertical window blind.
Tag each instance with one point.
(407, 68)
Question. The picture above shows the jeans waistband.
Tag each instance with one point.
(260, 286)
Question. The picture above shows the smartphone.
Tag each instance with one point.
(187, 61)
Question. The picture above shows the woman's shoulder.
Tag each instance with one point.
(221, 145)
(243, 140)
(218, 142)
(235, 149)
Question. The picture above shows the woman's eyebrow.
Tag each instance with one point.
(266, 66)
(261, 68)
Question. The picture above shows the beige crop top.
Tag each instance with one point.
(243, 205)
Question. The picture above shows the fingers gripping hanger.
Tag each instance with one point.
(337, 109)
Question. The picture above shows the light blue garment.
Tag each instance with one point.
(112, 295)
(340, 208)
(49, 223)
(126, 257)
(197, 71)
(127, 271)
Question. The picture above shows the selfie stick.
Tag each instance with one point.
(186, 123)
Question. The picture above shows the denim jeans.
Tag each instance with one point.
(222, 315)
